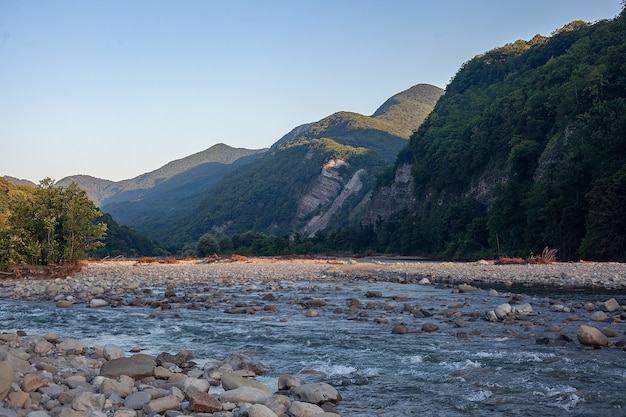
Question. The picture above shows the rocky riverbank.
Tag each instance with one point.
(45, 376)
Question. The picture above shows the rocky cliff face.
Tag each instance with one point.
(393, 199)
(328, 195)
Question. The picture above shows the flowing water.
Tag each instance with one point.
(468, 368)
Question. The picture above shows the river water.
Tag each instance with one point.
(469, 367)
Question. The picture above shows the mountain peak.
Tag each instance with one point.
(409, 108)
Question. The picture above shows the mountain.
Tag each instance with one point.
(525, 150)
(313, 178)
(152, 200)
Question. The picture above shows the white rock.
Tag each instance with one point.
(503, 310)
(98, 302)
(523, 309)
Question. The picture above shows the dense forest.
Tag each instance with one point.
(526, 149)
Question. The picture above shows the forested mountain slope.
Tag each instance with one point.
(313, 178)
(526, 149)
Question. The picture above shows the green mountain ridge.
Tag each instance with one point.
(310, 179)
(525, 150)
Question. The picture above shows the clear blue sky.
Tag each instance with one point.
(114, 89)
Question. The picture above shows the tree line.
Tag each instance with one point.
(46, 225)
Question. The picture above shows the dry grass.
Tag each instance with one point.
(547, 257)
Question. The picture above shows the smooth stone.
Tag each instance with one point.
(287, 382)
(244, 361)
(599, 316)
(465, 288)
(7, 412)
(18, 399)
(159, 405)
(590, 336)
(137, 367)
(123, 412)
(65, 304)
(608, 332)
(424, 281)
(111, 352)
(304, 409)
(278, 403)
(76, 346)
(429, 327)
(244, 395)
(32, 382)
(7, 373)
(233, 381)
(190, 385)
(98, 302)
(523, 309)
(203, 402)
(123, 386)
(316, 393)
(612, 305)
(137, 400)
(52, 290)
(38, 413)
(311, 312)
(259, 410)
(43, 347)
(503, 310)
(399, 329)
(88, 401)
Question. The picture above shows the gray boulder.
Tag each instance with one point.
(137, 367)
(233, 381)
(7, 373)
(317, 393)
(244, 395)
(590, 336)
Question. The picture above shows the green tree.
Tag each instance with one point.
(207, 245)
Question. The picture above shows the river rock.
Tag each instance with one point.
(202, 402)
(98, 302)
(244, 395)
(88, 401)
(466, 288)
(43, 347)
(503, 309)
(32, 382)
(287, 382)
(303, 409)
(123, 386)
(137, 400)
(190, 385)
(52, 289)
(18, 399)
(590, 336)
(65, 304)
(111, 352)
(233, 381)
(316, 393)
(612, 305)
(137, 367)
(259, 410)
(608, 332)
(71, 346)
(599, 316)
(429, 327)
(244, 361)
(523, 309)
(399, 329)
(159, 405)
(7, 373)
(7, 412)
(278, 404)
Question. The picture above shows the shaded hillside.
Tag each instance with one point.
(312, 179)
(104, 192)
(525, 150)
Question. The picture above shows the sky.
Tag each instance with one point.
(114, 89)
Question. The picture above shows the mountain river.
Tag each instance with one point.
(468, 367)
